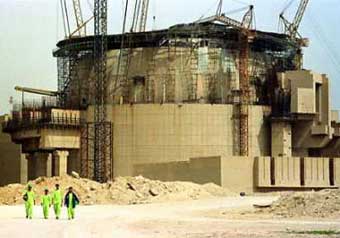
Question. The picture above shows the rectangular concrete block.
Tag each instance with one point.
(238, 174)
(316, 172)
(60, 163)
(263, 177)
(206, 170)
(336, 171)
(287, 171)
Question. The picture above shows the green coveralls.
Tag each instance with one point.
(57, 202)
(70, 209)
(29, 204)
(46, 203)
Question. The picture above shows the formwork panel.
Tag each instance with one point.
(263, 175)
(316, 172)
(287, 171)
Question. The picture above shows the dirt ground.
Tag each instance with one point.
(190, 219)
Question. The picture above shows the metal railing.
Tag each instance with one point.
(17, 124)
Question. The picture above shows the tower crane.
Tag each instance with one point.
(291, 28)
(79, 17)
(80, 23)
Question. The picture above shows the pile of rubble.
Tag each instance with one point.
(322, 204)
(124, 190)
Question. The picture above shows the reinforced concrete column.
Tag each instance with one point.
(43, 164)
(73, 162)
(38, 164)
(23, 168)
(281, 144)
(60, 162)
(30, 166)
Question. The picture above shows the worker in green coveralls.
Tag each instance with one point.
(29, 198)
(71, 201)
(57, 199)
(46, 202)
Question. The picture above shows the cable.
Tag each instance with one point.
(241, 2)
(286, 6)
(209, 9)
(63, 14)
(134, 16)
(324, 42)
(67, 19)
(237, 10)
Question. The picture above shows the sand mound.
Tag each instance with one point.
(322, 204)
(124, 190)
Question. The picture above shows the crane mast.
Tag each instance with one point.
(292, 28)
(140, 16)
(144, 15)
(79, 17)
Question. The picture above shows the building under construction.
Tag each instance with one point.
(209, 101)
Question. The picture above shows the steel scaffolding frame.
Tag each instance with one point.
(102, 141)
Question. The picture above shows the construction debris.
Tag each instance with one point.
(123, 191)
(322, 204)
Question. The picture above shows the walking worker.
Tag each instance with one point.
(71, 201)
(29, 198)
(46, 202)
(57, 200)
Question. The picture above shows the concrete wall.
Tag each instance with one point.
(316, 172)
(238, 173)
(281, 136)
(198, 170)
(235, 173)
(59, 139)
(310, 101)
(287, 172)
(13, 166)
(263, 174)
(336, 171)
(173, 74)
(152, 134)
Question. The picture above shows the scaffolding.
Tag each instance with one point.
(192, 63)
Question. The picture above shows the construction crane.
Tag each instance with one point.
(80, 23)
(245, 24)
(291, 28)
(37, 91)
(144, 15)
(246, 36)
(140, 16)
(79, 17)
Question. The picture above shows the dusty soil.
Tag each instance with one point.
(124, 190)
(189, 219)
(322, 204)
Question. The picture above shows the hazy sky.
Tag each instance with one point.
(29, 30)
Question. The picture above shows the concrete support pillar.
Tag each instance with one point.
(43, 166)
(281, 139)
(39, 165)
(23, 169)
(60, 162)
(30, 166)
(73, 162)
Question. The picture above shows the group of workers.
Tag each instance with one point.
(56, 199)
